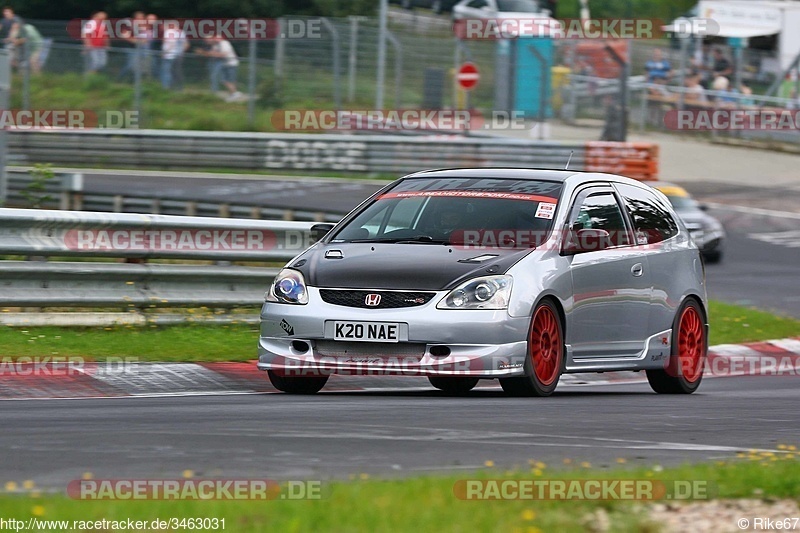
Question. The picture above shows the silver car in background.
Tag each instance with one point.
(707, 231)
(519, 275)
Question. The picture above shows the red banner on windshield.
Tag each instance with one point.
(497, 195)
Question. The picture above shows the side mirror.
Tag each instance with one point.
(318, 231)
(586, 240)
(702, 207)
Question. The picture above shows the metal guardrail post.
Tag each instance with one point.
(251, 81)
(623, 91)
(5, 88)
(643, 104)
(682, 68)
(398, 68)
(26, 76)
(280, 55)
(71, 187)
(352, 59)
(542, 89)
(379, 85)
(137, 79)
(337, 98)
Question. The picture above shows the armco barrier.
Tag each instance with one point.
(66, 192)
(216, 242)
(375, 154)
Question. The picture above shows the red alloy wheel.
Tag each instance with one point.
(545, 346)
(691, 344)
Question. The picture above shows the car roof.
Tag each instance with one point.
(538, 174)
(496, 173)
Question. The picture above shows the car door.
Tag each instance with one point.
(611, 286)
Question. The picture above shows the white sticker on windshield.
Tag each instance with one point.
(545, 210)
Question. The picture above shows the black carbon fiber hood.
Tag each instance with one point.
(401, 266)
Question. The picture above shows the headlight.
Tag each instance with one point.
(491, 292)
(289, 287)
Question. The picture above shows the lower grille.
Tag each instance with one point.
(369, 349)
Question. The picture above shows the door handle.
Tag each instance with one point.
(637, 269)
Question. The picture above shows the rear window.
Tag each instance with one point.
(651, 218)
(488, 212)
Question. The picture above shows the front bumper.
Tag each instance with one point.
(708, 241)
(436, 342)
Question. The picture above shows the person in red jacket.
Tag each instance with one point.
(95, 42)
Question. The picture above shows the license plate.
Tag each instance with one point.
(366, 331)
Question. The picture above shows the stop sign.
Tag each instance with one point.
(468, 76)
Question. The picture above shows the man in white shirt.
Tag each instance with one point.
(173, 45)
(223, 67)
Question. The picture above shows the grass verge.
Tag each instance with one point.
(237, 341)
(429, 503)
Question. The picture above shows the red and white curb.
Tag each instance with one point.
(37, 381)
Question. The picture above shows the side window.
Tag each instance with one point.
(652, 220)
(600, 211)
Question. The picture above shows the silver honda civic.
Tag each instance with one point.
(519, 275)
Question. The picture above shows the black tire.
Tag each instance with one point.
(453, 386)
(297, 385)
(713, 257)
(548, 349)
(684, 371)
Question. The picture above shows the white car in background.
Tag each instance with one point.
(517, 17)
(477, 9)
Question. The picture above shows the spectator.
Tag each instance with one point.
(747, 94)
(695, 92)
(224, 63)
(658, 69)
(721, 66)
(721, 85)
(153, 44)
(11, 29)
(31, 45)
(95, 42)
(174, 44)
(136, 37)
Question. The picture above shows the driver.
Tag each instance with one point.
(449, 220)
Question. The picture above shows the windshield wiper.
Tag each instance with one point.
(418, 239)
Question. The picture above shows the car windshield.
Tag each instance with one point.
(520, 6)
(481, 212)
(682, 202)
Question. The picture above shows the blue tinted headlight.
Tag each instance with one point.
(289, 287)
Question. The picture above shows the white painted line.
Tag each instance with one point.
(753, 210)
(149, 395)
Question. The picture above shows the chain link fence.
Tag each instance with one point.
(338, 69)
